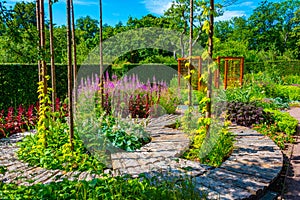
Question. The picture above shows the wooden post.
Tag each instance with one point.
(241, 70)
(70, 85)
(74, 50)
(179, 72)
(218, 72)
(190, 53)
(101, 56)
(43, 45)
(39, 32)
(199, 72)
(53, 77)
(225, 74)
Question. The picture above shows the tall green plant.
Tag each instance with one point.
(44, 113)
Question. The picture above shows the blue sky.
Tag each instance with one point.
(115, 11)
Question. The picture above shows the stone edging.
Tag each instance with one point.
(254, 164)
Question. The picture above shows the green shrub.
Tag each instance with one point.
(281, 130)
(291, 79)
(285, 122)
(290, 92)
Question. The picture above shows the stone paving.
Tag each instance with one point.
(253, 165)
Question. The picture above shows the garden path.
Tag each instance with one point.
(292, 182)
(254, 164)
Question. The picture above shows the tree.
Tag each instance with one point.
(295, 35)
(272, 25)
(232, 38)
(87, 28)
(18, 30)
(179, 15)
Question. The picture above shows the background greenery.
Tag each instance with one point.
(265, 36)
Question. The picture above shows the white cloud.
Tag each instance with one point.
(229, 14)
(157, 6)
(85, 2)
(249, 4)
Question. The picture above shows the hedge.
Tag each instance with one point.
(18, 82)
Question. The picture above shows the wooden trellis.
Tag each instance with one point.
(196, 64)
(230, 68)
(233, 70)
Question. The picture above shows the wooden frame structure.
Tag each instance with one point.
(182, 70)
(227, 69)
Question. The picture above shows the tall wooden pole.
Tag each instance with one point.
(70, 85)
(190, 53)
(210, 53)
(101, 56)
(39, 33)
(53, 76)
(74, 49)
(43, 45)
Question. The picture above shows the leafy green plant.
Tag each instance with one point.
(285, 122)
(44, 113)
(50, 147)
(289, 92)
(291, 79)
(57, 154)
(2, 169)
(211, 147)
(281, 130)
(272, 103)
(124, 135)
(169, 101)
(106, 188)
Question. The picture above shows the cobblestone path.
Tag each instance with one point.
(255, 162)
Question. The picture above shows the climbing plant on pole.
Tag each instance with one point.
(210, 53)
(70, 85)
(42, 89)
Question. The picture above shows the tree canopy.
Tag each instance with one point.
(272, 31)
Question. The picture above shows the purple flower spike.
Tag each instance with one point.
(114, 77)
